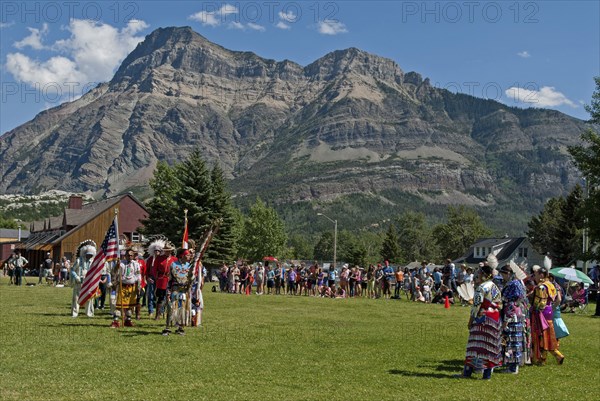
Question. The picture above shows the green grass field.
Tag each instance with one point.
(270, 348)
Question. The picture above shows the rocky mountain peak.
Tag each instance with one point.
(351, 122)
(353, 60)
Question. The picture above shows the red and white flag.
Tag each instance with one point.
(184, 243)
(108, 252)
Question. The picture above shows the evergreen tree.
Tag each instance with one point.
(587, 159)
(460, 231)
(390, 249)
(324, 247)
(556, 230)
(263, 233)
(195, 195)
(357, 255)
(415, 238)
(163, 206)
(568, 238)
(543, 227)
(223, 245)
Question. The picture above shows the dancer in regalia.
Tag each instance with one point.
(514, 310)
(484, 348)
(85, 256)
(127, 279)
(180, 283)
(157, 256)
(542, 328)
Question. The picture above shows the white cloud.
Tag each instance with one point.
(216, 17)
(205, 18)
(256, 27)
(34, 40)
(547, 96)
(91, 54)
(236, 25)
(242, 27)
(288, 17)
(282, 25)
(39, 74)
(227, 9)
(331, 27)
(524, 54)
(6, 24)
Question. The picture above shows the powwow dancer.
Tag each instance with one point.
(141, 299)
(542, 327)
(484, 346)
(127, 279)
(514, 310)
(85, 256)
(181, 272)
(157, 256)
(197, 306)
(163, 274)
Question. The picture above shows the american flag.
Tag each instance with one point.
(108, 252)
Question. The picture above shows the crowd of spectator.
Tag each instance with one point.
(426, 283)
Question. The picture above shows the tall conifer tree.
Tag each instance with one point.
(195, 195)
(223, 245)
(390, 249)
(162, 207)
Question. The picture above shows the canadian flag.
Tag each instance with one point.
(184, 242)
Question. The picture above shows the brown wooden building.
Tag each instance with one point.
(9, 241)
(60, 236)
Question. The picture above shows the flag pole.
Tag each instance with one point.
(184, 244)
(119, 269)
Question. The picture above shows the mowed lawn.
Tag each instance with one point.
(269, 348)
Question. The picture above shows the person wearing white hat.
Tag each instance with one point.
(86, 253)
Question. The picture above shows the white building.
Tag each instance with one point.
(518, 249)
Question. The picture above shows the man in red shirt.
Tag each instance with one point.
(157, 275)
(155, 249)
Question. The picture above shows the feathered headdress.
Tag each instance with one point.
(519, 274)
(547, 263)
(159, 243)
(86, 247)
(492, 261)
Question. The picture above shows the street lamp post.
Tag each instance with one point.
(334, 238)
(586, 238)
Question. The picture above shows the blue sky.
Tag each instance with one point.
(525, 54)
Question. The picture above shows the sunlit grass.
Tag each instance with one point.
(269, 348)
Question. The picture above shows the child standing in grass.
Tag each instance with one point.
(427, 286)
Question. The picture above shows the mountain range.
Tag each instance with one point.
(351, 129)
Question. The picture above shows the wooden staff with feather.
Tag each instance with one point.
(196, 277)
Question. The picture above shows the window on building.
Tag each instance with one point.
(135, 237)
(522, 252)
(481, 252)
